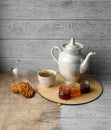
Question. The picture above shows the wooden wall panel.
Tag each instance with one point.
(55, 9)
(55, 29)
(27, 64)
(41, 48)
(29, 28)
(97, 66)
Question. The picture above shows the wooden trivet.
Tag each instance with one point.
(51, 93)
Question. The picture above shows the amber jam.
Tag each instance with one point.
(68, 92)
(75, 90)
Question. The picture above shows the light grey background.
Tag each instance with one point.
(29, 28)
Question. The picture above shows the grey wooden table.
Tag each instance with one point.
(18, 113)
(95, 115)
(28, 30)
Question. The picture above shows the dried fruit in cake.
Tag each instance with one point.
(85, 86)
(65, 92)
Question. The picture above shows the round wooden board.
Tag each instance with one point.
(51, 93)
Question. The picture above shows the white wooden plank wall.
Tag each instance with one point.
(29, 28)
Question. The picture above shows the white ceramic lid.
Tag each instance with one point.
(73, 46)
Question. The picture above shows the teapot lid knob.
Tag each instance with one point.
(72, 41)
(72, 44)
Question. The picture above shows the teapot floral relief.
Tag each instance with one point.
(70, 61)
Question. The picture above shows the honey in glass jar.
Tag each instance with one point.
(75, 90)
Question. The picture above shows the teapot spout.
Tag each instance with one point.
(85, 64)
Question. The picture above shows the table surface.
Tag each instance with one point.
(19, 113)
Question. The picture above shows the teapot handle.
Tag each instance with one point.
(52, 53)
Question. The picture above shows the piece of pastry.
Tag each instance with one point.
(23, 88)
(27, 91)
(15, 88)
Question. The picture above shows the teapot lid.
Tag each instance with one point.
(73, 46)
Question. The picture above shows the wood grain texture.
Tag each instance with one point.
(97, 66)
(53, 9)
(26, 64)
(17, 112)
(84, 123)
(95, 115)
(96, 91)
(28, 29)
(33, 54)
(98, 109)
(55, 29)
(29, 26)
(41, 48)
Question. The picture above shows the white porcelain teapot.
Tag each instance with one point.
(70, 61)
